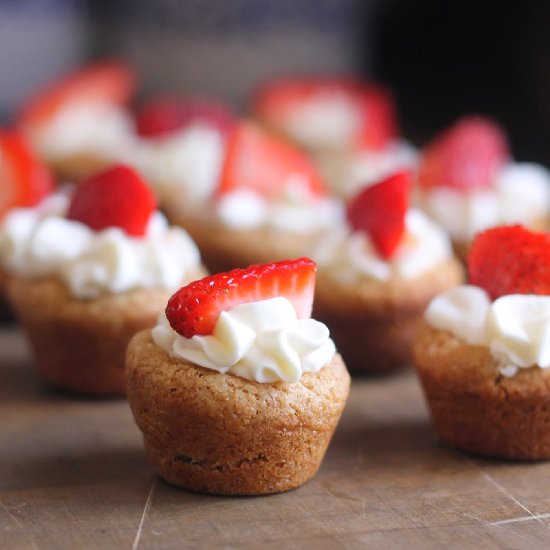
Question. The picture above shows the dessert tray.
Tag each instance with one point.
(73, 474)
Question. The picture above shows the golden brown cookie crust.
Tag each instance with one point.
(218, 433)
(476, 409)
(80, 345)
(374, 323)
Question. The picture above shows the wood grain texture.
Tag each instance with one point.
(73, 474)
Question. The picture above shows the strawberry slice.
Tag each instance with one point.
(163, 117)
(24, 180)
(267, 165)
(107, 82)
(379, 210)
(195, 308)
(279, 100)
(117, 197)
(510, 260)
(466, 156)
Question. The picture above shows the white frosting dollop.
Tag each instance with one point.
(352, 255)
(461, 311)
(327, 121)
(39, 241)
(184, 167)
(521, 194)
(261, 341)
(347, 173)
(91, 129)
(293, 210)
(515, 327)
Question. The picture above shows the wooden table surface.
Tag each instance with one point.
(73, 475)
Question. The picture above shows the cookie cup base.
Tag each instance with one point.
(217, 433)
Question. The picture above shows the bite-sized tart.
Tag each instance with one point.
(468, 182)
(377, 273)
(80, 124)
(484, 353)
(237, 390)
(87, 272)
(270, 204)
(24, 182)
(347, 125)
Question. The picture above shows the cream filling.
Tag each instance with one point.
(94, 129)
(293, 210)
(183, 168)
(261, 341)
(352, 255)
(39, 241)
(516, 327)
(521, 194)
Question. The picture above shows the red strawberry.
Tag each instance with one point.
(165, 116)
(466, 156)
(117, 197)
(377, 125)
(195, 308)
(380, 210)
(109, 82)
(266, 164)
(510, 260)
(24, 180)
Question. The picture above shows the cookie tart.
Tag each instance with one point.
(24, 182)
(87, 272)
(348, 126)
(378, 272)
(484, 355)
(237, 390)
(270, 204)
(468, 182)
(79, 124)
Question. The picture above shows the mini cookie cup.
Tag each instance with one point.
(374, 323)
(217, 433)
(476, 409)
(80, 345)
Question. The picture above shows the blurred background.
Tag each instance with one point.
(441, 58)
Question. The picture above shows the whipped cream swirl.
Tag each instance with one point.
(261, 341)
(39, 241)
(515, 327)
(347, 173)
(328, 121)
(293, 210)
(94, 129)
(183, 168)
(520, 194)
(351, 255)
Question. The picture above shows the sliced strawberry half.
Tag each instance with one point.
(117, 197)
(379, 210)
(195, 308)
(376, 126)
(510, 260)
(107, 82)
(265, 164)
(466, 156)
(24, 180)
(163, 117)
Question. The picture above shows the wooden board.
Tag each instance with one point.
(73, 474)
